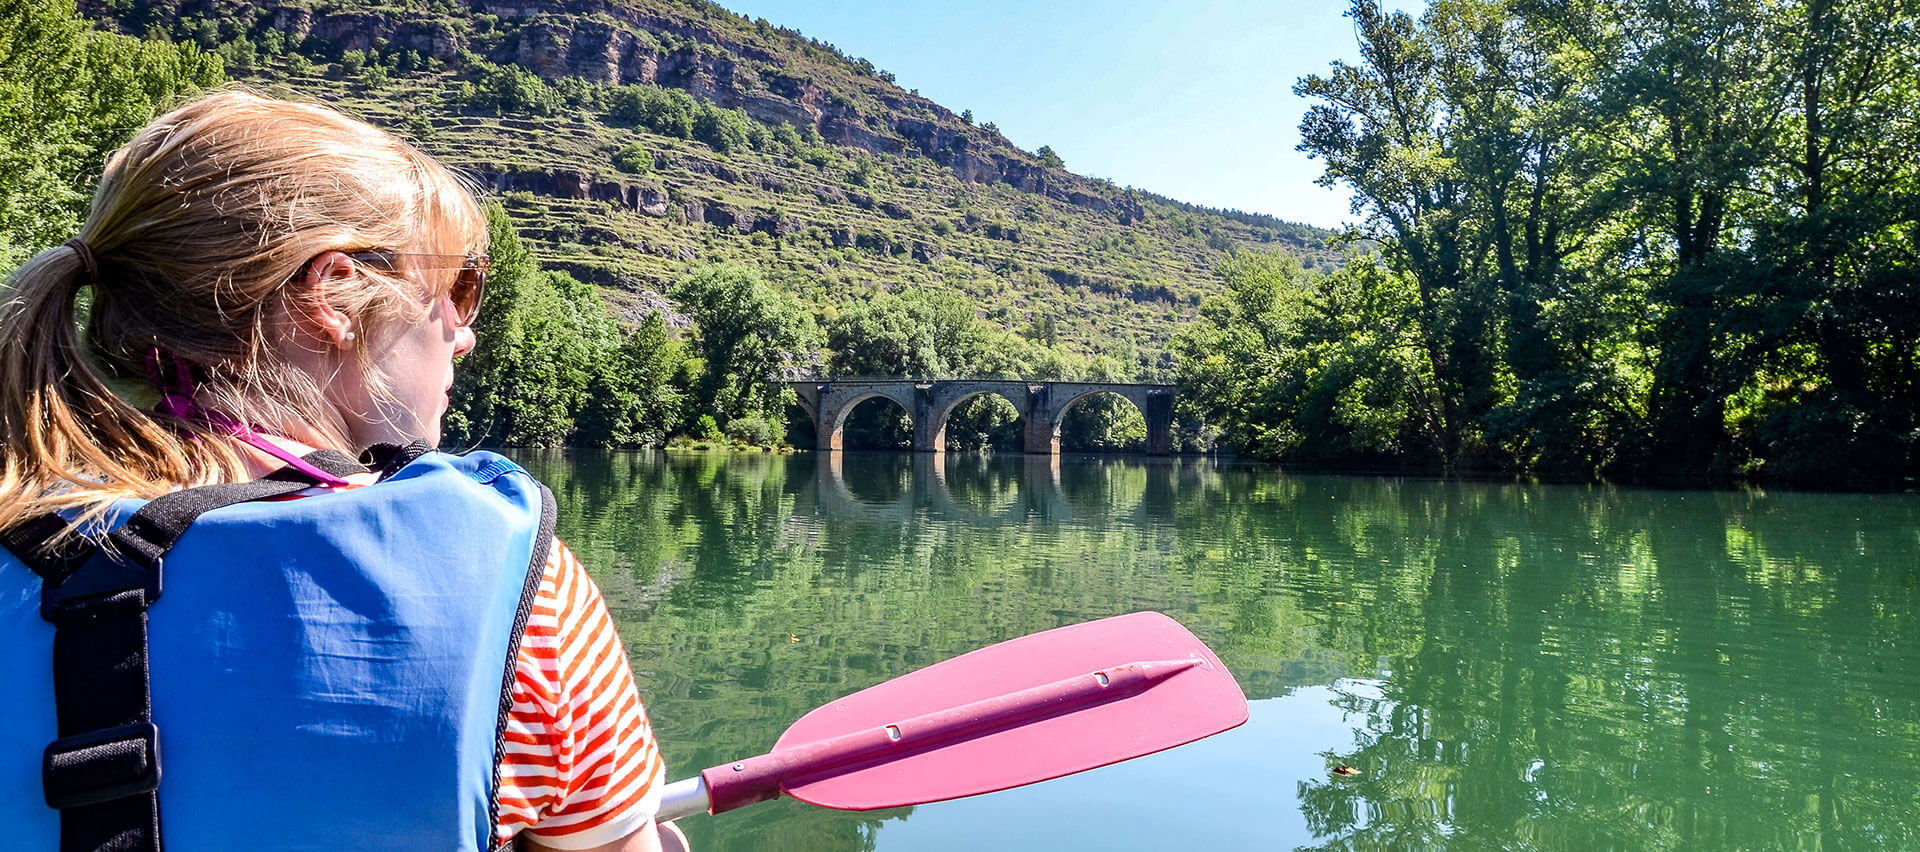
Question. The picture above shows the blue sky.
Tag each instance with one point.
(1192, 100)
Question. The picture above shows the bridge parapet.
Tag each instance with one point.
(1042, 405)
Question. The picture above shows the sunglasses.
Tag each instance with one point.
(468, 288)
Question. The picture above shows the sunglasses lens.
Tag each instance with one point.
(468, 289)
(466, 295)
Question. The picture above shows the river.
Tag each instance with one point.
(1507, 666)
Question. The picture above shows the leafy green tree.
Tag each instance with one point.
(1705, 80)
(668, 112)
(1049, 159)
(914, 333)
(510, 89)
(746, 332)
(551, 366)
(1643, 237)
(480, 403)
(539, 334)
(726, 130)
(632, 398)
(1830, 400)
(1324, 370)
(68, 97)
(1382, 129)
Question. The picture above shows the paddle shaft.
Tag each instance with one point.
(758, 779)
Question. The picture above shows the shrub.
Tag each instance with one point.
(512, 89)
(726, 130)
(752, 429)
(633, 159)
(668, 112)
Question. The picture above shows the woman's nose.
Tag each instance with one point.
(463, 340)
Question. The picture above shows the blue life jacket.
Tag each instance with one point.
(330, 672)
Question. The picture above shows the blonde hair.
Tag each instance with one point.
(199, 231)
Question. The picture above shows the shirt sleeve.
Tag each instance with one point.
(581, 767)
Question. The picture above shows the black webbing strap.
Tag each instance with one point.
(103, 773)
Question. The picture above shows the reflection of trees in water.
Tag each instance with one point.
(878, 479)
(1583, 670)
(1106, 487)
(1554, 668)
(985, 486)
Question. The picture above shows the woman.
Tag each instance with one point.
(311, 653)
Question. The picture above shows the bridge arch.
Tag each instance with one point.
(948, 397)
(1067, 409)
(1155, 403)
(832, 406)
(876, 422)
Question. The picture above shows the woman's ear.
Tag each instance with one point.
(315, 312)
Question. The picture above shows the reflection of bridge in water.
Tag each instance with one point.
(1042, 407)
(1020, 489)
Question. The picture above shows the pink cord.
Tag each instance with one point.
(176, 400)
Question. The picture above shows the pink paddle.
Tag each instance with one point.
(1025, 710)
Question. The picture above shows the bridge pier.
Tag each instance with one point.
(929, 404)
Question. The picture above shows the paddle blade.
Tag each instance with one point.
(1044, 735)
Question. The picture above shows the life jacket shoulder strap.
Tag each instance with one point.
(103, 772)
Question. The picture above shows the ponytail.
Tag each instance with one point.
(70, 440)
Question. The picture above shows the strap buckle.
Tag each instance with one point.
(101, 575)
(100, 766)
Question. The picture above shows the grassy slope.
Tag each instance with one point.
(1109, 281)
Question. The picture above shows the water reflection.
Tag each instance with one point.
(897, 487)
(1558, 668)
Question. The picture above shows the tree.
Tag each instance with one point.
(68, 97)
(915, 333)
(1658, 238)
(1383, 131)
(633, 399)
(1049, 159)
(480, 402)
(1702, 80)
(1325, 370)
(551, 366)
(510, 89)
(746, 332)
(634, 158)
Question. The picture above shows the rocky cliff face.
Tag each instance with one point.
(610, 42)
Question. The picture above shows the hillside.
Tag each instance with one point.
(634, 139)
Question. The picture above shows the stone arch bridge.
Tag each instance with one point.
(1043, 405)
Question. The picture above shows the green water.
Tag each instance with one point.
(1508, 667)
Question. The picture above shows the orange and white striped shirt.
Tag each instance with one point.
(581, 767)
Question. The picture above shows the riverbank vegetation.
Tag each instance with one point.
(1635, 239)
